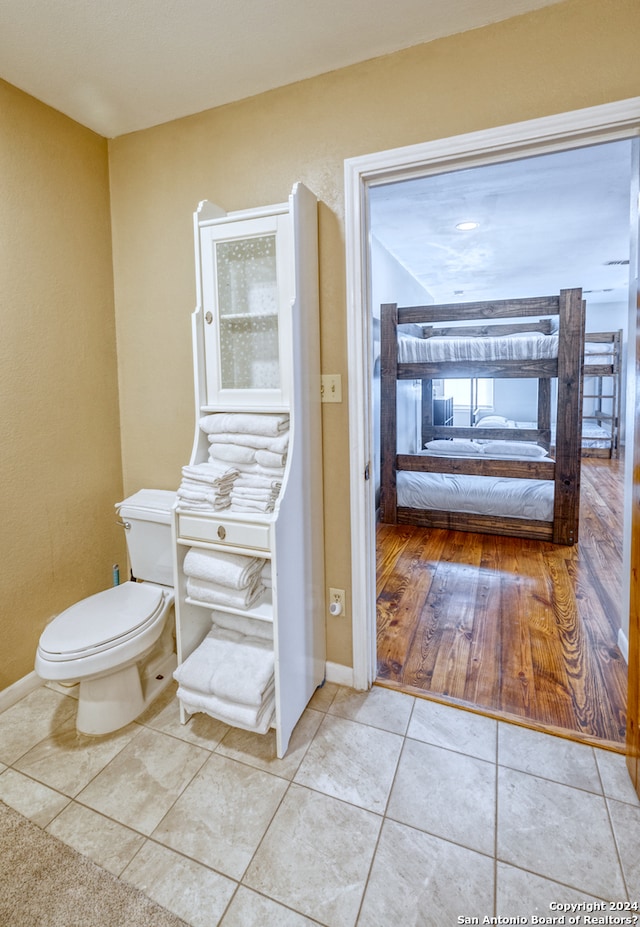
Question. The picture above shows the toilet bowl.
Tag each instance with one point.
(119, 644)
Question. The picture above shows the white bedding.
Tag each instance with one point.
(480, 495)
(523, 346)
(598, 353)
(593, 435)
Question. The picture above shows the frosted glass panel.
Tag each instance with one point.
(248, 313)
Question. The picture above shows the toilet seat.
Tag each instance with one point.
(102, 621)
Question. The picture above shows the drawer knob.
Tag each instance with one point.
(221, 532)
(208, 318)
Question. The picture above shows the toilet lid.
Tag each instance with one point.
(102, 619)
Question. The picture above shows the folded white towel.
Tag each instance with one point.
(206, 492)
(214, 594)
(270, 459)
(250, 627)
(238, 670)
(257, 481)
(233, 453)
(234, 570)
(252, 505)
(261, 495)
(256, 469)
(257, 442)
(249, 719)
(210, 472)
(245, 423)
(191, 505)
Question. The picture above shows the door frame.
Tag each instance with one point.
(593, 125)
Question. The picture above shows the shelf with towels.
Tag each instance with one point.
(253, 485)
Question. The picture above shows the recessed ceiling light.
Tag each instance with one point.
(466, 226)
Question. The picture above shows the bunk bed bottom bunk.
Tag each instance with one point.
(485, 504)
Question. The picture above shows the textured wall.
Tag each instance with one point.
(60, 466)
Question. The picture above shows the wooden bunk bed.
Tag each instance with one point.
(602, 392)
(602, 385)
(408, 335)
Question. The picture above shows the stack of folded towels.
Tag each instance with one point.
(256, 446)
(206, 486)
(230, 676)
(229, 580)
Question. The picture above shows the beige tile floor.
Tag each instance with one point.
(386, 809)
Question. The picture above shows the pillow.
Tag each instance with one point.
(492, 421)
(514, 449)
(450, 448)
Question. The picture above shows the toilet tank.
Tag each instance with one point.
(147, 519)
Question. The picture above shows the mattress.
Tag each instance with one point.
(523, 346)
(599, 353)
(593, 435)
(480, 495)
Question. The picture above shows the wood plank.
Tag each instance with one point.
(486, 331)
(478, 524)
(435, 613)
(478, 433)
(455, 610)
(391, 541)
(498, 308)
(531, 468)
(400, 604)
(388, 411)
(455, 370)
(484, 669)
(569, 418)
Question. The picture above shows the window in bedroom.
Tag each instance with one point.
(470, 395)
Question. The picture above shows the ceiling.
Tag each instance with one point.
(124, 65)
(544, 223)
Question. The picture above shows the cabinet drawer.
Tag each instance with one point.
(221, 531)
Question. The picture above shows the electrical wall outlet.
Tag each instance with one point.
(331, 387)
(337, 602)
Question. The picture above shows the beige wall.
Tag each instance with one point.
(60, 467)
(575, 54)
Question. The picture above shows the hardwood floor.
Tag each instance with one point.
(512, 627)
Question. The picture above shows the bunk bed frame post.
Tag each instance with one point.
(427, 411)
(544, 410)
(388, 412)
(569, 420)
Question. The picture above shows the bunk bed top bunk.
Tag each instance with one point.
(416, 346)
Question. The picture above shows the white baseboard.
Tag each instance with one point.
(19, 689)
(623, 644)
(339, 674)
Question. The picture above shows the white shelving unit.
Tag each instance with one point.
(256, 349)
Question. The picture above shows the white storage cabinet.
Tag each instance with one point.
(256, 350)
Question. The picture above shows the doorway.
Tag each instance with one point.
(574, 130)
(506, 626)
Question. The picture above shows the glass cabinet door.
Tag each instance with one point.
(245, 288)
(247, 296)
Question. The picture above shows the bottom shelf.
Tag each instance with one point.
(230, 675)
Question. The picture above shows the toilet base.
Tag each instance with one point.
(110, 702)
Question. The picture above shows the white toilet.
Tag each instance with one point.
(119, 644)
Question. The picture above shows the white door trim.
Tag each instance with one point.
(553, 133)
